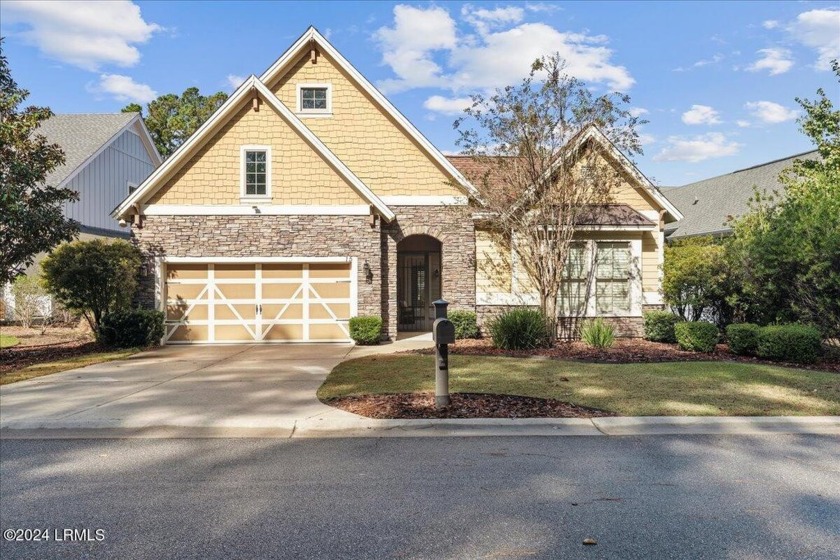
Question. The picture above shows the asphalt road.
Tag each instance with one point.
(484, 497)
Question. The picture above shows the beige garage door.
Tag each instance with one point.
(258, 302)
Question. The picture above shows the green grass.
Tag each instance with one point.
(662, 389)
(7, 341)
(47, 368)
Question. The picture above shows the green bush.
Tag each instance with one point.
(519, 329)
(743, 338)
(465, 323)
(93, 277)
(659, 326)
(696, 336)
(789, 343)
(597, 333)
(366, 329)
(129, 329)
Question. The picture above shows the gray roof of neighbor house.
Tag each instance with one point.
(80, 136)
(707, 205)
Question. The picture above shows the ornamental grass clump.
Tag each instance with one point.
(520, 329)
(598, 334)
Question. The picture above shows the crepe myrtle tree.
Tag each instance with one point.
(534, 188)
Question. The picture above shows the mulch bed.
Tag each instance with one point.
(624, 351)
(463, 405)
(18, 357)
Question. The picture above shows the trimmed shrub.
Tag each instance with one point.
(366, 329)
(789, 343)
(696, 336)
(743, 338)
(136, 328)
(597, 333)
(659, 326)
(519, 329)
(465, 323)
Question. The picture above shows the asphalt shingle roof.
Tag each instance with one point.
(80, 136)
(707, 205)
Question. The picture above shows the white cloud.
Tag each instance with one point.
(776, 60)
(742, 124)
(494, 58)
(646, 139)
(485, 20)
(769, 112)
(701, 114)
(84, 34)
(697, 148)
(702, 62)
(235, 80)
(407, 47)
(542, 7)
(820, 30)
(638, 111)
(124, 88)
(447, 106)
(770, 24)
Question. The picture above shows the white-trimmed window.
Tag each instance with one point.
(314, 99)
(256, 172)
(575, 280)
(612, 278)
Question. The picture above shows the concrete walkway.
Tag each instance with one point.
(270, 391)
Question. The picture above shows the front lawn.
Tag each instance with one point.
(7, 341)
(647, 389)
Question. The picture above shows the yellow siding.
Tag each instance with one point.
(650, 261)
(493, 270)
(299, 174)
(495, 279)
(369, 142)
(627, 191)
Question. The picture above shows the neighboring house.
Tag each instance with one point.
(106, 157)
(307, 199)
(708, 205)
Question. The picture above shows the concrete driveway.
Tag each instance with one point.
(241, 386)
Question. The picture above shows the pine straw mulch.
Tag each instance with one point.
(625, 351)
(19, 357)
(463, 405)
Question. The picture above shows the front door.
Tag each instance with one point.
(418, 285)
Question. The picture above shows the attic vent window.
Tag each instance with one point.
(314, 99)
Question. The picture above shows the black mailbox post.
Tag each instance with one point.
(443, 333)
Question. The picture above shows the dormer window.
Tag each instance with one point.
(314, 99)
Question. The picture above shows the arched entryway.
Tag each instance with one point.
(419, 276)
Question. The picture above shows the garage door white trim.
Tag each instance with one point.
(259, 327)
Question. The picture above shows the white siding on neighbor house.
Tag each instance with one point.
(103, 183)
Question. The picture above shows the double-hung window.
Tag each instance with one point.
(256, 172)
(573, 289)
(612, 278)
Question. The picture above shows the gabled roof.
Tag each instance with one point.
(82, 137)
(243, 94)
(292, 54)
(481, 166)
(707, 205)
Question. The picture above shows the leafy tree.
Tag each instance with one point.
(532, 188)
(697, 279)
(171, 119)
(789, 247)
(93, 277)
(31, 213)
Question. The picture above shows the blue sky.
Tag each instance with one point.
(717, 81)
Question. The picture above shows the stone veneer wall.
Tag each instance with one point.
(321, 236)
(625, 327)
(455, 230)
(262, 236)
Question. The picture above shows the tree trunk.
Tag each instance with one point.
(548, 305)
